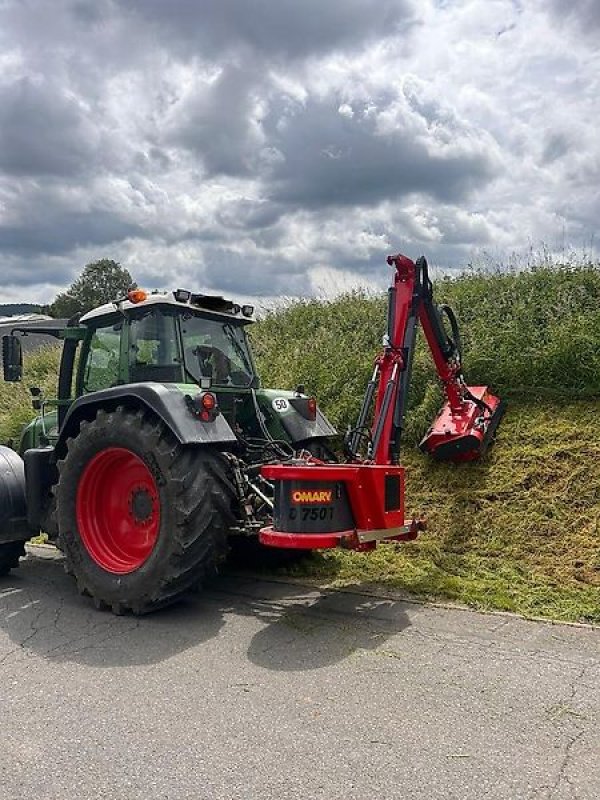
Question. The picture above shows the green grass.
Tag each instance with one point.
(537, 330)
(519, 531)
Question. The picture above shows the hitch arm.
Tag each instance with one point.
(392, 370)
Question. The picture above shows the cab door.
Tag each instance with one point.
(101, 362)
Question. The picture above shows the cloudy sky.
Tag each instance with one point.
(266, 147)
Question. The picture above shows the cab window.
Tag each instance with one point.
(153, 348)
(101, 361)
(216, 350)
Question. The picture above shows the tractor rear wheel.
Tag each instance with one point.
(141, 518)
(10, 553)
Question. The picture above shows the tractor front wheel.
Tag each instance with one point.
(142, 519)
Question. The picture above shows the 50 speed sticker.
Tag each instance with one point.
(280, 404)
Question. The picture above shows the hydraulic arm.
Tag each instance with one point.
(467, 421)
(362, 501)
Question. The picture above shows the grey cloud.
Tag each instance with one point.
(27, 271)
(88, 14)
(43, 131)
(330, 159)
(289, 28)
(216, 123)
(267, 273)
(112, 140)
(250, 214)
(83, 41)
(584, 13)
(57, 231)
(557, 145)
(254, 273)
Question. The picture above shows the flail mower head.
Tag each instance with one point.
(464, 434)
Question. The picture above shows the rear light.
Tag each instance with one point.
(208, 401)
(306, 406)
(204, 406)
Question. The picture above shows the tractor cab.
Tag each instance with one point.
(166, 338)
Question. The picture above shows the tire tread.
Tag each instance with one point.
(202, 500)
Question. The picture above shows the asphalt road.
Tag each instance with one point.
(268, 690)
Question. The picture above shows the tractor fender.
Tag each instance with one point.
(13, 512)
(300, 429)
(165, 400)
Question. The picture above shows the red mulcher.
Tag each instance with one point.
(356, 504)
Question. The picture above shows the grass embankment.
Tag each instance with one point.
(519, 531)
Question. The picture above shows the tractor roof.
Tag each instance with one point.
(180, 299)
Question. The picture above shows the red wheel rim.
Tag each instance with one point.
(118, 510)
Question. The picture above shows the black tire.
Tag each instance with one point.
(13, 507)
(10, 553)
(195, 498)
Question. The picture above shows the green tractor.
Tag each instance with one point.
(147, 465)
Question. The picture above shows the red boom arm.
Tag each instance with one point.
(469, 418)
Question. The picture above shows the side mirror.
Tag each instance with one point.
(12, 358)
(36, 397)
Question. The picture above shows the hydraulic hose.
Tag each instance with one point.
(455, 339)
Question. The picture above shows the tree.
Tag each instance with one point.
(100, 282)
